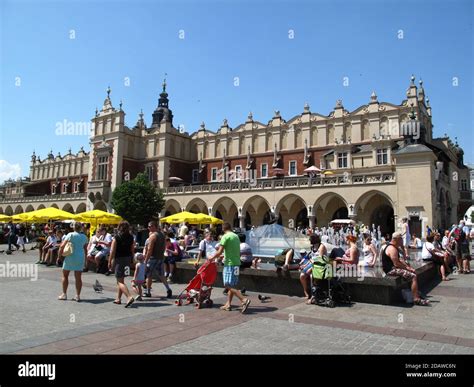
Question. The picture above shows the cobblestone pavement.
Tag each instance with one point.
(32, 320)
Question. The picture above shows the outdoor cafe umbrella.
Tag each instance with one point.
(327, 173)
(312, 171)
(182, 217)
(5, 218)
(208, 219)
(278, 171)
(42, 216)
(189, 217)
(96, 217)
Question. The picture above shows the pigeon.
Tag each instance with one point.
(98, 287)
(263, 298)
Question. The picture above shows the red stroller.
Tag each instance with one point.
(199, 288)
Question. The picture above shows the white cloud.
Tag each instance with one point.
(9, 171)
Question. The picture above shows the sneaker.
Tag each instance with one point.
(169, 293)
(38, 263)
(170, 279)
(147, 295)
(225, 292)
(138, 298)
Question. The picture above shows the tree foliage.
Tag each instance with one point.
(137, 201)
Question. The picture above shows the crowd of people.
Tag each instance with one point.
(116, 251)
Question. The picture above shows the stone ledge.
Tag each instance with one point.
(374, 289)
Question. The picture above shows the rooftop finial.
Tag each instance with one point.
(412, 80)
(164, 83)
(306, 107)
(421, 82)
(373, 97)
(141, 114)
(108, 91)
(120, 105)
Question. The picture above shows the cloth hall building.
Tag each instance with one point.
(375, 164)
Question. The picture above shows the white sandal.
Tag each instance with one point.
(62, 297)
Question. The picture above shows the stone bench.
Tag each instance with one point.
(374, 288)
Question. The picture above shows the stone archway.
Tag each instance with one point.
(197, 206)
(9, 211)
(54, 205)
(100, 205)
(226, 209)
(41, 206)
(255, 210)
(171, 207)
(376, 208)
(19, 210)
(328, 207)
(293, 211)
(68, 208)
(81, 208)
(29, 208)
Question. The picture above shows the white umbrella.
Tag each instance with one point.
(312, 169)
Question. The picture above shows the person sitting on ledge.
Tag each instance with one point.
(284, 259)
(394, 264)
(370, 252)
(351, 255)
(246, 256)
(415, 242)
(432, 254)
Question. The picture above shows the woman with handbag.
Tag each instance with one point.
(74, 251)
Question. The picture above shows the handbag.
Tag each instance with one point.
(68, 249)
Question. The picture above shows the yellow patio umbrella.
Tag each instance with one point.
(182, 217)
(43, 215)
(96, 217)
(208, 219)
(5, 218)
(327, 173)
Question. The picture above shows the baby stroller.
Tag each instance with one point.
(327, 290)
(200, 287)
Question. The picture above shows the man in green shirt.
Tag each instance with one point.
(230, 246)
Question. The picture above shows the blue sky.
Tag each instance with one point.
(47, 77)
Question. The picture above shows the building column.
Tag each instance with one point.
(242, 222)
(312, 221)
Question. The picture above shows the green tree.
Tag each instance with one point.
(137, 200)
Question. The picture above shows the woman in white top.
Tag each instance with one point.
(370, 253)
(440, 258)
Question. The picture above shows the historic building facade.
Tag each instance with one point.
(380, 163)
